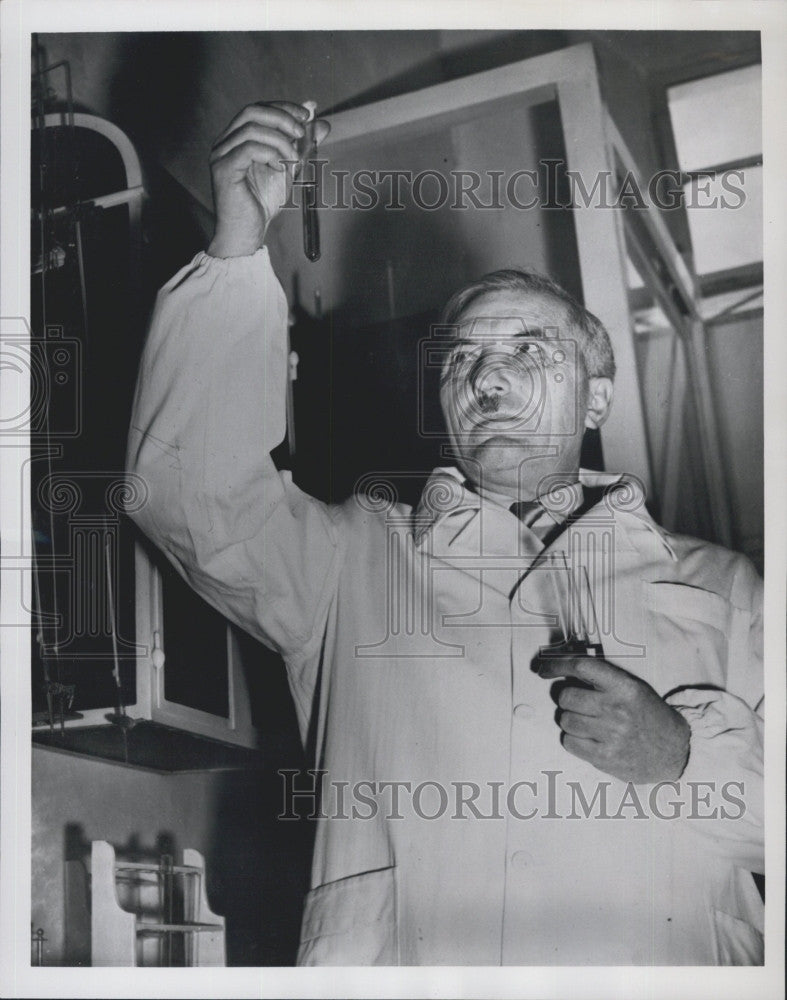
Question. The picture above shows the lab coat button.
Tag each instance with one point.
(523, 711)
(521, 860)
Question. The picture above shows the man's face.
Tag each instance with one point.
(514, 392)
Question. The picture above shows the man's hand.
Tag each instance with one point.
(618, 723)
(250, 179)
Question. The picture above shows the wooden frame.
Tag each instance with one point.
(691, 335)
(151, 704)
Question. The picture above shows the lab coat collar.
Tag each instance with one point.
(445, 493)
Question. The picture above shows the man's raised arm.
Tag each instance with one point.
(210, 406)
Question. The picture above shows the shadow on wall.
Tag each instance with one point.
(258, 869)
(152, 89)
(143, 82)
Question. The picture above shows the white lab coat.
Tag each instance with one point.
(408, 638)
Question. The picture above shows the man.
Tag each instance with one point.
(467, 818)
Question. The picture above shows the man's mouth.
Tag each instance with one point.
(490, 434)
(499, 423)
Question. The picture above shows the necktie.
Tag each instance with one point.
(527, 511)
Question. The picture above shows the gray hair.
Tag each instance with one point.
(594, 342)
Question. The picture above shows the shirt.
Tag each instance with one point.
(408, 636)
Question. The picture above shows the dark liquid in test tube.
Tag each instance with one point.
(311, 224)
(309, 178)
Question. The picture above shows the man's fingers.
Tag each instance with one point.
(584, 726)
(579, 699)
(321, 125)
(281, 115)
(241, 157)
(296, 110)
(599, 673)
(259, 134)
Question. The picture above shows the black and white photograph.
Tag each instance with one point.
(391, 408)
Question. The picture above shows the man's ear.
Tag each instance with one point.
(600, 391)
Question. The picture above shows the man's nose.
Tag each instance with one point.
(492, 376)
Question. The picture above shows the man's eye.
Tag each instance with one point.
(459, 357)
(529, 347)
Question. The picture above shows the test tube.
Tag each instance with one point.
(585, 637)
(309, 179)
(576, 611)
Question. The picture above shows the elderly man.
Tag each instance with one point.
(472, 811)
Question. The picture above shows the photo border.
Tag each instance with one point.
(19, 21)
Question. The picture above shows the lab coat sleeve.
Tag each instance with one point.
(209, 407)
(722, 783)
